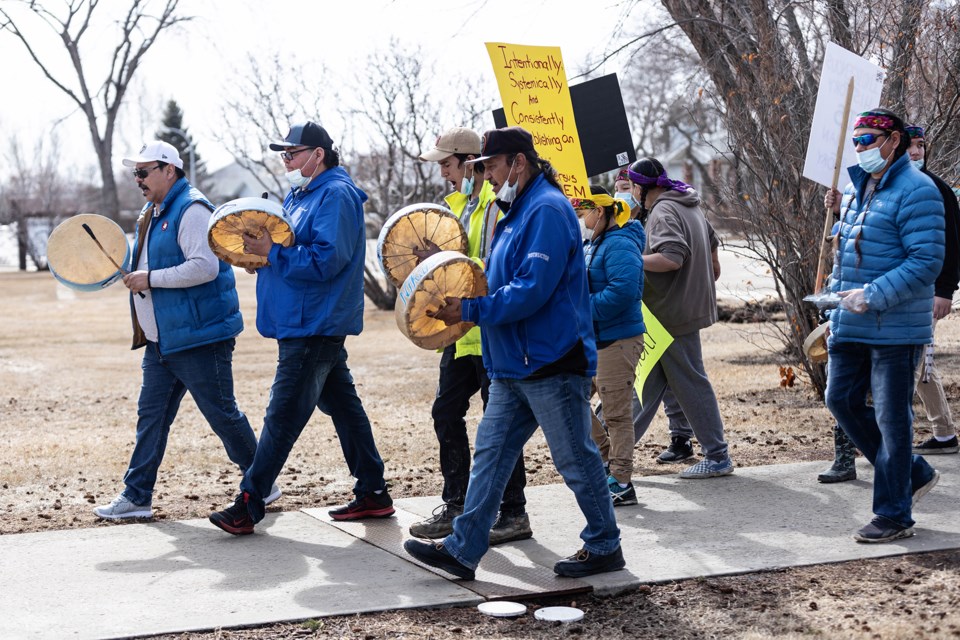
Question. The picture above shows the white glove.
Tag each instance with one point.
(853, 300)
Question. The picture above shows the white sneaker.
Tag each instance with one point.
(275, 494)
(122, 508)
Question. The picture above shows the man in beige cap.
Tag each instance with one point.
(461, 366)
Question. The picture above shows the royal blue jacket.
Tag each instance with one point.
(315, 287)
(537, 306)
(193, 316)
(615, 272)
(891, 244)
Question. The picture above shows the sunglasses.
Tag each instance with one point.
(143, 173)
(288, 155)
(867, 139)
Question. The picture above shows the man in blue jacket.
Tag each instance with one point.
(187, 315)
(309, 298)
(539, 350)
(890, 251)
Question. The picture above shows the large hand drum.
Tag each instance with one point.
(414, 228)
(443, 274)
(75, 259)
(255, 216)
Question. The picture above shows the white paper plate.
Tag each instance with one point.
(559, 614)
(502, 609)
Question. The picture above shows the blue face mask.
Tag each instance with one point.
(917, 163)
(467, 184)
(627, 197)
(871, 160)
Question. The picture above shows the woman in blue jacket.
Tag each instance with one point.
(890, 250)
(614, 259)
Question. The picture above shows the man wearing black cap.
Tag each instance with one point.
(540, 353)
(309, 298)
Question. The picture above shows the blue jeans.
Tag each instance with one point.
(207, 373)
(883, 432)
(312, 373)
(560, 406)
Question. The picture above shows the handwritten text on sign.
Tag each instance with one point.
(655, 343)
(533, 88)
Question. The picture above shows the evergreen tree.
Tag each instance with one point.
(173, 121)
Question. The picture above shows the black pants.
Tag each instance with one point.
(460, 379)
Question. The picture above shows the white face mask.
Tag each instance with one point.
(297, 179)
(918, 163)
(585, 232)
(508, 192)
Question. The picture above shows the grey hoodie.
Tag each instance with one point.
(684, 300)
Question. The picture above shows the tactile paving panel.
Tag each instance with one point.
(501, 575)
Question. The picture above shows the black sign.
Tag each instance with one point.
(602, 125)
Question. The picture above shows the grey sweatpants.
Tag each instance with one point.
(680, 371)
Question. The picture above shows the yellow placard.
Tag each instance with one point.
(655, 343)
(535, 94)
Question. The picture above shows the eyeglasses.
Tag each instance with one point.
(143, 173)
(288, 155)
(867, 139)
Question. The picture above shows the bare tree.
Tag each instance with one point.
(99, 100)
(36, 195)
(762, 59)
(388, 116)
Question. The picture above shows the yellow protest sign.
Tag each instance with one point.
(655, 342)
(533, 88)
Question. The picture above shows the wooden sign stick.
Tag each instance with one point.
(823, 264)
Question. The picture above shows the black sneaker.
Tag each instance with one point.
(680, 449)
(583, 563)
(235, 519)
(934, 446)
(509, 528)
(435, 555)
(621, 496)
(882, 530)
(372, 505)
(439, 525)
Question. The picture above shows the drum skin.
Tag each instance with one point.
(76, 261)
(815, 344)
(414, 227)
(255, 216)
(442, 275)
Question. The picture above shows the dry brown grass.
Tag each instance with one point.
(68, 390)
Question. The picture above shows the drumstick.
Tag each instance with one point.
(109, 257)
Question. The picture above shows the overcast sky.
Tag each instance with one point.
(192, 67)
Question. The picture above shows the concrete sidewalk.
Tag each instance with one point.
(167, 577)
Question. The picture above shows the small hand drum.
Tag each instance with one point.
(415, 228)
(75, 259)
(255, 216)
(443, 274)
(815, 344)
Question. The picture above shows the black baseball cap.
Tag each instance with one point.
(506, 140)
(306, 134)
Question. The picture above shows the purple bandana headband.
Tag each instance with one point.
(661, 181)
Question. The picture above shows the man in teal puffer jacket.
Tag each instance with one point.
(890, 251)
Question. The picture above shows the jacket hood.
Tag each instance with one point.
(336, 174)
(632, 231)
(688, 198)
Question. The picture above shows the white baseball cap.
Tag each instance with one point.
(156, 151)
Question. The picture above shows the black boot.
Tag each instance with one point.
(845, 453)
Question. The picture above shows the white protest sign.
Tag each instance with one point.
(839, 65)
